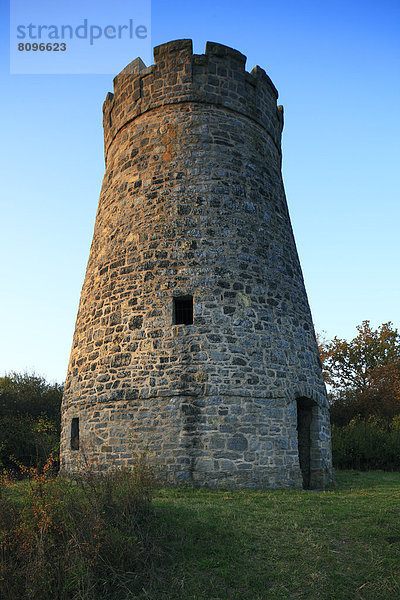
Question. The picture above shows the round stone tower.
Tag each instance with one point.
(194, 340)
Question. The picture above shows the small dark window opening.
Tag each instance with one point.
(75, 433)
(183, 310)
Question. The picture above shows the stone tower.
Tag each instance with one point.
(194, 339)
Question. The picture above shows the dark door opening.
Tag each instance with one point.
(304, 419)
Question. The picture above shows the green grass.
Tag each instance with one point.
(280, 545)
(340, 544)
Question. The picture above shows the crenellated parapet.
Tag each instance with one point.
(217, 77)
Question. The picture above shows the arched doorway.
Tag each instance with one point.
(305, 411)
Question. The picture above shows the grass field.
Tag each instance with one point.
(340, 544)
(280, 545)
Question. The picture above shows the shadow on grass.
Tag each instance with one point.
(198, 556)
(366, 479)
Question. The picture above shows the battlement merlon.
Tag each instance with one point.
(217, 77)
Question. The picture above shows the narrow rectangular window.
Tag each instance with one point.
(183, 310)
(75, 433)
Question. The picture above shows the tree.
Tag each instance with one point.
(363, 374)
(29, 394)
(29, 419)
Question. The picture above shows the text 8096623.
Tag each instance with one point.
(34, 47)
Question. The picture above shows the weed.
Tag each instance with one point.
(73, 538)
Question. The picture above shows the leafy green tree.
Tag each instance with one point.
(29, 419)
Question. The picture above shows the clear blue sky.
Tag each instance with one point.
(336, 67)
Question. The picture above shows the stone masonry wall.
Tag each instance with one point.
(193, 203)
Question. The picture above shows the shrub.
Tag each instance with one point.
(367, 444)
(74, 538)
